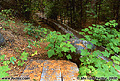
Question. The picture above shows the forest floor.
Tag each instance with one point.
(17, 42)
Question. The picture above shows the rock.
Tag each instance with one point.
(2, 40)
(81, 44)
(50, 70)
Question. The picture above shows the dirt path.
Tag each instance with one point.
(16, 43)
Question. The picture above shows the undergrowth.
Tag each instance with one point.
(92, 65)
(58, 45)
(7, 18)
(35, 31)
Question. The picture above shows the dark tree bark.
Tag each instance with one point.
(93, 4)
(117, 11)
(99, 3)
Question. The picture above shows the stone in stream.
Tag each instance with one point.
(2, 40)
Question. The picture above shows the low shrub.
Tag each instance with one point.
(36, 32)
(91, 63)
(58, 45)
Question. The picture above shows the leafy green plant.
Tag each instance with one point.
(104, 35)
(42, 40)
(34, 79)
(12, 59)
(6, 18)
(91, 63)
(48, 7)
(2, 60)
(22, 58)
(2, 57)
(36, 32)
(57, 45)
(7, 23)
(51, 9)
(30, 43)
(7, 13)
(35, 53)
(34, 43)
(90, 11)
(17, 49)
(3, 70)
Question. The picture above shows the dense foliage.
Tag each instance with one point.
(6, 18)
(36, 32)
(101, 35)
(91, 63)
(57, 45)
(78, 13)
